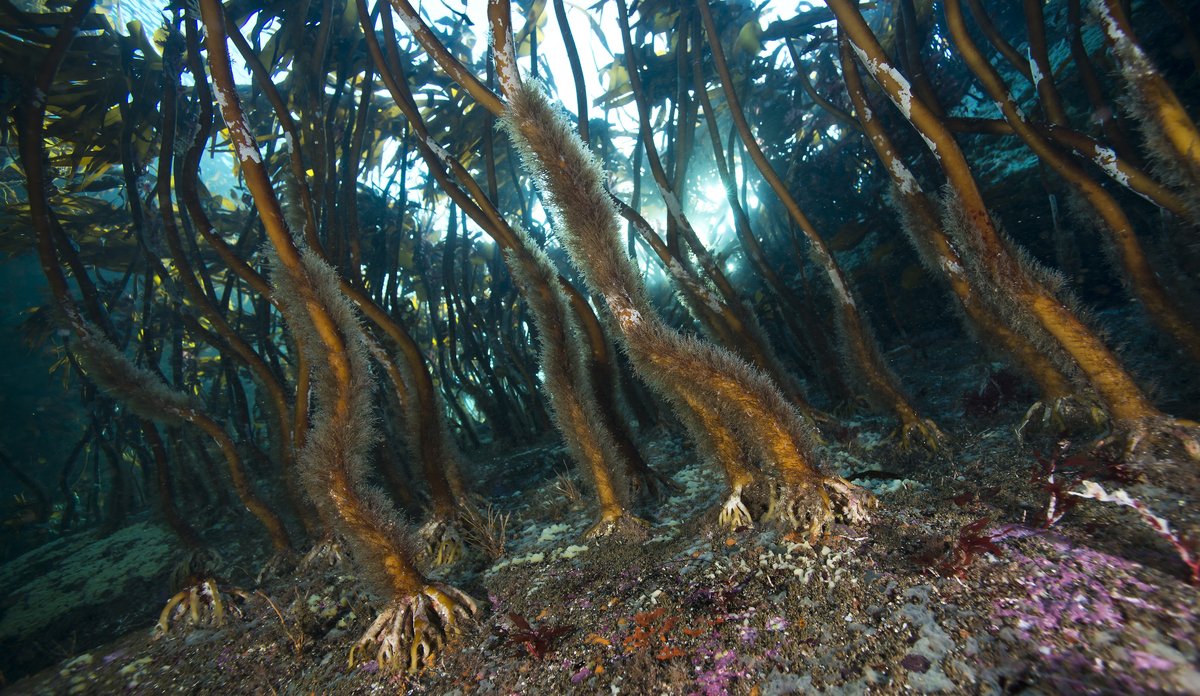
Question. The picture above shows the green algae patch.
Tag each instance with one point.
(47, 585)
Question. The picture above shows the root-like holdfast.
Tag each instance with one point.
(410, 631)
(201, 604)
(619, 525)
(442, 541)
(734, 514)
(1064, 414)
(327, 553)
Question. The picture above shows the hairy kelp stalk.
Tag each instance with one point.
(860, 348)
(711, 298)
(570, 391)
(685, 371)
(1119, 234)
(1039, 357)
(357, 302)
(420, 615)
(1170, 134)
(574, 352)
(141, 389)
(421, 410)
(995, 268)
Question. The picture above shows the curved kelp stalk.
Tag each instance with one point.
(1168, 129)
(139, 388)
(423, 416)
(1139, 427)
(741, 400)
(1040, 357)
(1118, 231)
(859, 346)
(719, 308)
(569, 389)
(276, 401)
(574, 349)
(419, 615)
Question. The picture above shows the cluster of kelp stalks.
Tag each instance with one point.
(275, 346)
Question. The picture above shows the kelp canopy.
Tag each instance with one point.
(281, 237)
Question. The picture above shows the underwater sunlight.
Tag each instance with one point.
(607, 346)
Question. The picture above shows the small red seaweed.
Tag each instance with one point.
(972, 541)
(538, 641)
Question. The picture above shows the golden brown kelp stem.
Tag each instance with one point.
(1116, 167)
(425, 422)
(295, 144)
(1119, 162)
(602, 366)
(799, 318)
(690, 286)
(1102, 110)
(910, 37)
(921, 222)
(724, 314)
(1119, 232)
(569, 389)
(802, 74)
(351, 161)
(987, 254)
(164, 479)
(456, 70)
(746, 403)
(277, 406)
(600, 381)
(145, 393)
(189, 170)
(1040, 67)
(859, 344)
(1166, 125)
(139, 388)
(676, 218)
(581, 102)
(420, 614)
(30, 116)
(1016, 60)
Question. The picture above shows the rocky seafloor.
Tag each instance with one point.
(955, 586)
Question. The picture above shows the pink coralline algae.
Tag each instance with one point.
(1066, 602)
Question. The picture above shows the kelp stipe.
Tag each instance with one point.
(859, 348)
(1139, 426)
(571, 393)
(683, 370)
(419, 615)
